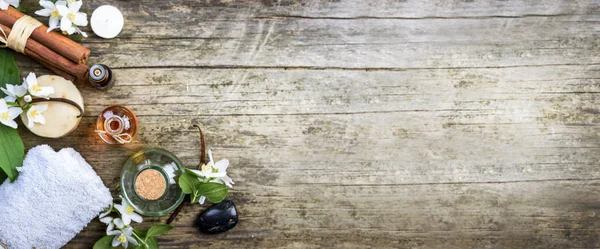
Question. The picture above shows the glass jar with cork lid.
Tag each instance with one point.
(148, 182)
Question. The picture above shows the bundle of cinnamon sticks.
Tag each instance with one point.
(56, 52)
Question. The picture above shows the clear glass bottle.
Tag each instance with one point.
(117, 125)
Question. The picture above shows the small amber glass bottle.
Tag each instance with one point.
(117, 125)
(101, 77)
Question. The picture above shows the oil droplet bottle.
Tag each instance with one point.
(101, 77)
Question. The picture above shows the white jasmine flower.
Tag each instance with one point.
(71, 17)
(34, 114)
(4, 4)
(202, 199)
(13, 92)
(8, 114)
(123, 237)
(108, 114)
(215, 170)
(35, 89)
(108, 221)
(170, 170)
(126, 123)
(128, 213)
(51, 11)
(27, 98)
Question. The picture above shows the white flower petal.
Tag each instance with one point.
(119, 223)
(228, 181)
(126, 219)
(131, 239)
(116, 241)
(108, 114)
(3, 106)
(46, 91)
(31, 79)
(3, 5)
(6, 90)
(75, 6)
(30, 123)
(61, 3)
(110, 227)
(80, 19)
(10, 99)
(128, 231)
(222, 165)
(47, 4)
(114, 232)
(14, 112)
(41, 107)
(136, 217)
(14, 3)
(106, 220)
(197, 173)
(43, 12)
(63, 10)
(9, 123)
(53, 24)
(210, 157)
(19, 91)
(202, 199)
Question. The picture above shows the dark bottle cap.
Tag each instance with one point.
(101, 77)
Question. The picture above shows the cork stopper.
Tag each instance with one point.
(150, 184)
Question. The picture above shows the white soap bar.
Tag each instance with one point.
(61, 118)
(107, 21)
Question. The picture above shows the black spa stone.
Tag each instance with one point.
(218, 218)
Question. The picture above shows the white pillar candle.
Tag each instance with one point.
(107, 21)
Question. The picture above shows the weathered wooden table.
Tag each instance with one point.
(383, 124)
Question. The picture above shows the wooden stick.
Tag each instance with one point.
(57, 42)
(55, 62)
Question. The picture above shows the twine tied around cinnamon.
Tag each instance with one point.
(116, 133)
(21, 30)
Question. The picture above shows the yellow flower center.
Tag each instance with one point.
(54, 14)
(72, 16)
(206, 168)
(36, 88)
(122, 238)
(129, 210)
(5, 116)
(34, 113)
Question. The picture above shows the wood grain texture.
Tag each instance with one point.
(364, 124)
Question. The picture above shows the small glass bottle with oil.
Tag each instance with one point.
(117, 125)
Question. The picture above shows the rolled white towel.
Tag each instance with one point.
(55, 196)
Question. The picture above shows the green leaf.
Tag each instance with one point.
(214, 192)
(158, 230)
(141, 232)
(104, 242)
(151, 243)
(187, 182)
(12, 150)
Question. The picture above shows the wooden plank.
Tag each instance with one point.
(355, 124)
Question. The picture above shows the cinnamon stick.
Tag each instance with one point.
(59, 71)
(57, 42)
(55, 62)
